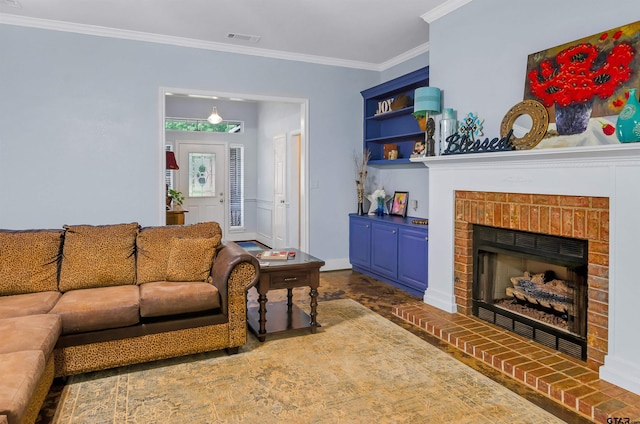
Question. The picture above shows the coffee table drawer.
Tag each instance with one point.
(288, 279)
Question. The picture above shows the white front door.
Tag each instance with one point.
(202, 179)
(279, 192)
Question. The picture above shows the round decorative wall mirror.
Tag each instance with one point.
(530, 115)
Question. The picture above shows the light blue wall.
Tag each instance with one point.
(479, 52)
(405, 67)
(80, 132)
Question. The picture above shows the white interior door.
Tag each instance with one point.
(295, 188)
(280, 192)
(202, 179)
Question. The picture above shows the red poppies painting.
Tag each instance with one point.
(586, 78)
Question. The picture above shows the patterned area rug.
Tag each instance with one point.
(358, 367)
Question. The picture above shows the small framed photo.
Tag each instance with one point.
(419, 149)
(399, 205)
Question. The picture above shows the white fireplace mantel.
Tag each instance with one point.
(628, 151)
(611, 171)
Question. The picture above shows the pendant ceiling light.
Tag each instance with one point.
(214, 118)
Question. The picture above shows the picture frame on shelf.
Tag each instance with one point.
(399, 204)
(419, 149)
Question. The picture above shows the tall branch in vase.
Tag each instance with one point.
(361, 176)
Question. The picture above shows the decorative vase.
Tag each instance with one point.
(573, 118)
(448, 127)
(380, 210)
(360, 192)
(628, 124)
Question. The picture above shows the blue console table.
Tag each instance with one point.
(391, 249)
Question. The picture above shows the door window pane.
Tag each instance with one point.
(202, 174)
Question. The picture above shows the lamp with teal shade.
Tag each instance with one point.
(426, 102)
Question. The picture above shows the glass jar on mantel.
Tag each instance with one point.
(380, 209)
(628, 124)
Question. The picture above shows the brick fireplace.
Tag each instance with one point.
(588, 192)
(582, 217)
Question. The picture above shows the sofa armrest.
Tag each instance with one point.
(234, 272)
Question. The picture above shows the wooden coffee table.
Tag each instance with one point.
(301, 271)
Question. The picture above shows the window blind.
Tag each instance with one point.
(236, 186)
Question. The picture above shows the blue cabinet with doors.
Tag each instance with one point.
(384, 249)
(360, 243)
(391, 249)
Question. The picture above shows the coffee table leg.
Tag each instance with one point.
(262, 300)
(289, 299)
(314, 306)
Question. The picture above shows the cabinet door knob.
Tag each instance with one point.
(367, 225)
(426, 238)
(393, 232)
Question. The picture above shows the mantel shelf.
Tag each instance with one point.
(601, 153)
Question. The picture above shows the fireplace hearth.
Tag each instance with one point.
(532, 284)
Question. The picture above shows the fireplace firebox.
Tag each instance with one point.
(532, 284)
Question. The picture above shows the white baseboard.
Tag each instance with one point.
(440, 300)
(336, 264)
(622, 373)
(240, 236)
(264, 240)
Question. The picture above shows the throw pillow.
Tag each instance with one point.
(154, 246)
(29, 261)
(98, 256)
(190, 259)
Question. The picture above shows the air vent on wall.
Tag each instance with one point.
(243, 37)
(12, 3)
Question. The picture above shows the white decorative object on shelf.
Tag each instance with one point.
(373, 199)
(471, 126)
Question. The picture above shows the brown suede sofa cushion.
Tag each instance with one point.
(98, 256)
(29, 261)
(20, 373)
(28, 304)
(154, 247)
(163, 298)
(98, 308)
(34, 332)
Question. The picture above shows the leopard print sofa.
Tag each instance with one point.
(86, 298)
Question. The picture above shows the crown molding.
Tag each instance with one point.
(193, 43)
(444, 9)
(409, 54)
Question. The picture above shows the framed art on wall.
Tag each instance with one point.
(586, 78)
(399, 205)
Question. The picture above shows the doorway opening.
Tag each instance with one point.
(299, 210)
